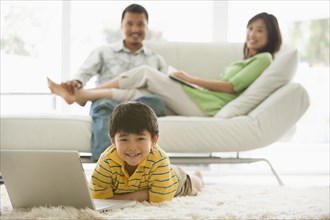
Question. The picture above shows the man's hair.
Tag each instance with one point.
(274, 33)
(133, 117)
(135, 8)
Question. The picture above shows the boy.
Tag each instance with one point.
(135, 167)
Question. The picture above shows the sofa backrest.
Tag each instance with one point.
(201, 59)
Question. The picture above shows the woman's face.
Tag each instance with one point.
(256, 36)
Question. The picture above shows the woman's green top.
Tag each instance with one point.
(240, 73)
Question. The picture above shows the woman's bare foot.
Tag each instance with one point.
(80, 102)
(59, 90)
(197, 180)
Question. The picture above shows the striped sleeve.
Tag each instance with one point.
(163, 182)
(100, 185)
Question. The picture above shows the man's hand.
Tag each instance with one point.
(72, 85)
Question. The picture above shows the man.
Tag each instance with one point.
(109, 61)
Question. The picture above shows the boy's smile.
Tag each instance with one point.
(133, 148)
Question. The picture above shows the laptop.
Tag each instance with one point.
(50, 178)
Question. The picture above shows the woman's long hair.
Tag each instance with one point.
(274, 34)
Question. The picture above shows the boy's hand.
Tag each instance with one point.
(141, 195)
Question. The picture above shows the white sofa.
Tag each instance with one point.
(266, 111)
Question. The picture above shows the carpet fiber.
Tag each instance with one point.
(215, 202)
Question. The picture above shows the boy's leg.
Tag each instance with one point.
(101, 111)
(188, 185)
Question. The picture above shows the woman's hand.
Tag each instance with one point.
(184, 76)
(214, 85)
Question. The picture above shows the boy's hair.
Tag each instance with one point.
(133, 117)
(135, 8)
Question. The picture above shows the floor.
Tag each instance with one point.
(297, 164)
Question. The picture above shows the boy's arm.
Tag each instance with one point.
(141, 195)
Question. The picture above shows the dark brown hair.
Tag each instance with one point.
(135, 8)
(274, 40)
(133, 117)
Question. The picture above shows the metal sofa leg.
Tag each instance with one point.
(273, 170)
(218, 160)
(251, 160)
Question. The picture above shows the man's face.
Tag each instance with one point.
(134, 28)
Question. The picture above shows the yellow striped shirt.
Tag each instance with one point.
(153, 173)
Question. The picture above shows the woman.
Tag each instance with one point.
(263, 40)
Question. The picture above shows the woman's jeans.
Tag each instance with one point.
(101, 111)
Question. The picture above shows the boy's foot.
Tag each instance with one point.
(59, 90)
(197, 181)
(199, 174)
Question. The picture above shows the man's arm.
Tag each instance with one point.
(141, 195)
(90, 67)
(162, 66)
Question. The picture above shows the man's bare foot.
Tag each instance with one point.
(59, 90)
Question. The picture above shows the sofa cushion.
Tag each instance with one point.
(46, 132)
(280, 72)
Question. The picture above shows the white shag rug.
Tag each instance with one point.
(215, 202)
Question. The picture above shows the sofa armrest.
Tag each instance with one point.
(279, 113)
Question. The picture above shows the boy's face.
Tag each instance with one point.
(133, 148)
